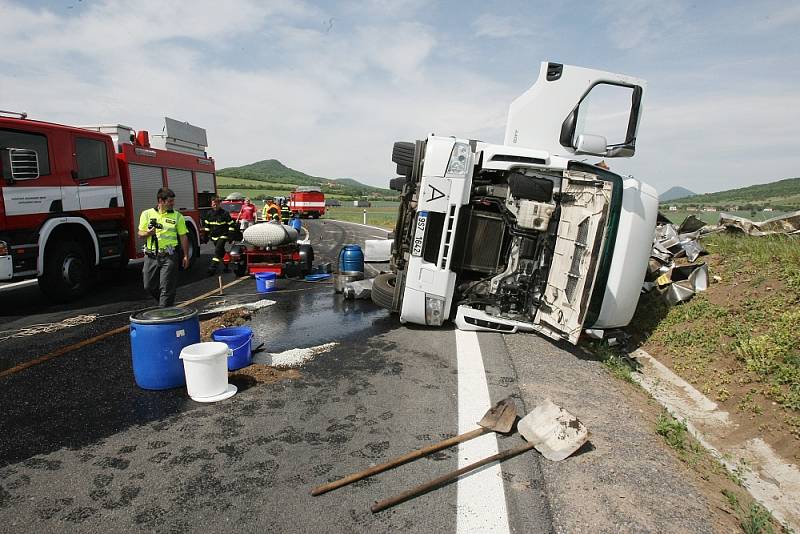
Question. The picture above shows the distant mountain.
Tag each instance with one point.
(675, 192)
(272, 171)
(783, 195)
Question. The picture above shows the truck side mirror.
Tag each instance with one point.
(591, 144)
(609, 99)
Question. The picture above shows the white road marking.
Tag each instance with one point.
(481, 498)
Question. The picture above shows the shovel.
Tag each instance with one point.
(499, 418)
(550, 429)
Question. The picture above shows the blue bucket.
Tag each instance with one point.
(157, 337)
(351, 259)
(265, 282)
(239, 339)
(296, 224)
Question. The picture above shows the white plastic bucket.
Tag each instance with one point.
(206, 368)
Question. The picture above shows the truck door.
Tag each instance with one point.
(96, 182)
(573, 110)
(31, 183)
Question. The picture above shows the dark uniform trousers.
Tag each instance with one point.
(219, 253)
(160, 277)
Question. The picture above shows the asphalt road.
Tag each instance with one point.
(83, 449)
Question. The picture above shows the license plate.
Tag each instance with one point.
(419, 234)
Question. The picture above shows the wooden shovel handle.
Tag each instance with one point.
(400, 460)
(436, 482)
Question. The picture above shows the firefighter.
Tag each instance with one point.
(271, 209)
(162, 227)
(219, 226)
(286, 213)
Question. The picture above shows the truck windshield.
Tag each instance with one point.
(230, 208)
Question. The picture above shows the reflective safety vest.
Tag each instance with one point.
(270, 210)
(173, 223)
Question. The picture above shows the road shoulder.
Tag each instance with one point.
(625, 479)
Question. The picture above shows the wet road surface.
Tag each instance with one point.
(83, 449)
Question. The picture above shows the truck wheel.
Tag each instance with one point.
(397, 184)
(403, 153)
(383, 288)
(240, 269)
(67, 271)
(306, 259)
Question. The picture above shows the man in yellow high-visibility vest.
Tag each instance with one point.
(162, 227)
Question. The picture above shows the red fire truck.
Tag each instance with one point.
(70, 197)
(307, 201)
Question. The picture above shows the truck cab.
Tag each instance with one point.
(524, 235)
(58, 183)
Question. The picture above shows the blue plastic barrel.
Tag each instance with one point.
(351, 259)
(239, 339)
(265, 282)
(157, 337)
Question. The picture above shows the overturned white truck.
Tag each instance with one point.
(522, 236)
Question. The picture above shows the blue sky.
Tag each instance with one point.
(327, 87)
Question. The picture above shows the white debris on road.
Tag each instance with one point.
(257, 305)
(297, 357)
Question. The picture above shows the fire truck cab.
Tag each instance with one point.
(70, 197)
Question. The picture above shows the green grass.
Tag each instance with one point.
(231, 183)
(758, 520)
(759, 328)
(673, 431)
(382, 217)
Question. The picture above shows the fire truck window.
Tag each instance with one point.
(13, 139)
(92, 158)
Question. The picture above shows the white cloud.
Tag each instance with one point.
(642, 24)
(500, 27)
(280, 80)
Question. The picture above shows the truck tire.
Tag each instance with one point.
(67, 271)
(403, 153)
(306, 259)
(397, 184)
(383, 288)
(240, 268)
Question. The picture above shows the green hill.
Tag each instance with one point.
(783, 195)
(273, 175)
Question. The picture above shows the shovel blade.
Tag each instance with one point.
(500, 417)
(554, 431)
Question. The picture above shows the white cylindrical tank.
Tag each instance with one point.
(269, 234)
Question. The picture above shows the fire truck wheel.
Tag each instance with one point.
(383, 287)
(67, 271)
(239, 269)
